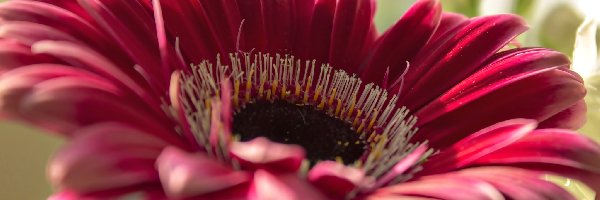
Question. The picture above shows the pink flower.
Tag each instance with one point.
(234, 99)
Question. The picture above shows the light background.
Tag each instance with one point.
(24, 151)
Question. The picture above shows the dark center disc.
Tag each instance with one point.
(322, 136)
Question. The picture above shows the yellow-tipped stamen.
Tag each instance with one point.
(283, 91)
(358, 114)
(360, 128)
(321, 105)
(249, 86)
(373, 119)
(298, 88)
(261, 88)
(331, 97)
(366, 108)
(351, 108)
(236, 93)
(338, 108)
(307, 89)
(317, 93)
(274, 88)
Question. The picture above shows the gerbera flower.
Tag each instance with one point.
(257, 99)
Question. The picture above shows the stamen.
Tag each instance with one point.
(382, 129)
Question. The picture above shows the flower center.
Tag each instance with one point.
(330, 113)
(322, 136)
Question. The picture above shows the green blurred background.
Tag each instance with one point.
(24, 151)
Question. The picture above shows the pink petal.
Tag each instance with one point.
(397, 45)
(504, 68)
(406, 163)
(278, 19)
(152, 193)
(83, 57)
(267, 186)
(260, 153)
(29, 33)
(223, 18)
(442, 187)
(302, 21)
(352, 25)
(541, 146)
(335, 179)
(443, 64)
(185, 175)
(254, 29)
(535, 95)
(320, 30)
(571, 118)
(184, 20)
(128, 23)
(69, 103)
(16, 84)
(14, 55)
(105, 157)
(73, 24)
(517, 183)
(449, 22)
(477, 145)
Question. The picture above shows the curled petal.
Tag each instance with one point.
(267, 186)
(530, 184)
(335, 179)
(478, 145)
(186, 175)
(260, 153)
(108, 156)
(542, 147)
(442, 187)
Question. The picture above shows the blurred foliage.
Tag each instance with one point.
(559, 28)
(469, 8)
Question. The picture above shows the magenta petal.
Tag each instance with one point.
(478, 145)
(352, 25)
(267, 186)
(535, 95)
(17, 84)
(518, 183)
(320, 30)
(81, 56)
(571, 118)
(185, 175)
(448, 187)
(541, 146)
(260, 153)
(132, 28)
(402, 166)
(57, 17)
(69, 103)
(181, 18)
(504, 68)
(335, 179)
(14, 55)
(105, 157)
(29, 33)
(449, 22)
(397, 46)
(443, 65)
(278, 19)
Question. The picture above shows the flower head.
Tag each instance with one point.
(259, 99)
